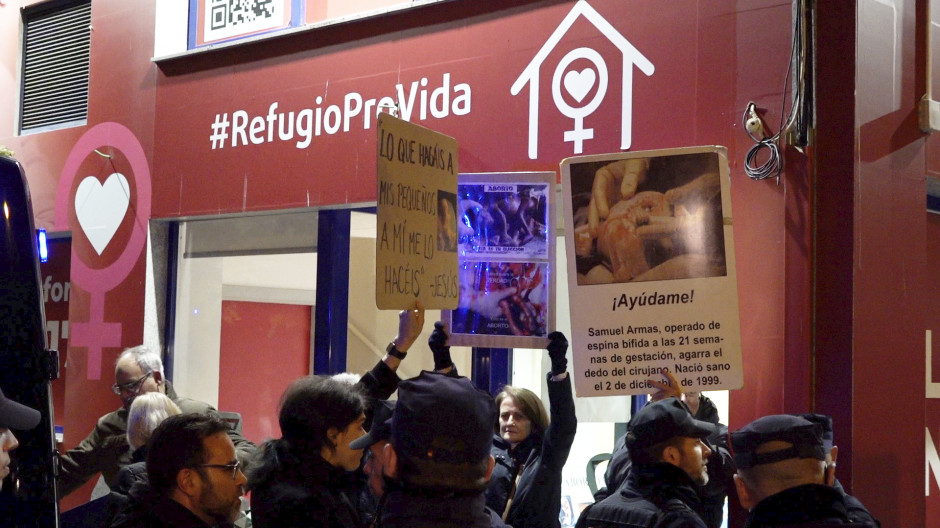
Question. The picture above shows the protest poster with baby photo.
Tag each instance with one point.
(651, 272)
(505, 260)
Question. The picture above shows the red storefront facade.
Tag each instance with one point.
(834, 262)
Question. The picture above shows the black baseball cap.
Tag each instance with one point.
(664, 419)
(443, 419)
(15, 415)
(826, 422)
(381, 426)
(805, 436)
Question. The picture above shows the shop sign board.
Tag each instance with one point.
(212, 22)
(651, 271)
(520, 92)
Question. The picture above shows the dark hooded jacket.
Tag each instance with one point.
(539, 459)
(132, 473)
(298, 491)
(148, 509)
(707, 411)
(659, 495)
(403, 509)
(810, 505)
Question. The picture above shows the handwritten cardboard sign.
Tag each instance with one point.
(416, 231)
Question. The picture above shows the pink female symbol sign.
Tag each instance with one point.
(96, 333)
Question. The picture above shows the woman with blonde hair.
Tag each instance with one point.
(530, 449)
(145, 414)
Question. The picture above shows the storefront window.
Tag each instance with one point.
(243, 325)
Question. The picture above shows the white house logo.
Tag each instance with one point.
(578, 84)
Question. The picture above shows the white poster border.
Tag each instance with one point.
(622, 304)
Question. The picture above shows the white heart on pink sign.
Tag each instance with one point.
(101, 208)
(579, 83)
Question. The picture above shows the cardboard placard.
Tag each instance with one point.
(416, 231)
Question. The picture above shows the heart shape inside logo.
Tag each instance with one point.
(579, 83)
(101, 208)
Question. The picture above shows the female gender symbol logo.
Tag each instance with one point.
(579, 84)
(96, 333)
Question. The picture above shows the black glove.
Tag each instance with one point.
(438, 344)
(557, 347)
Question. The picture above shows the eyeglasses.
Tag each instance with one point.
(132, 387)
(233, 467)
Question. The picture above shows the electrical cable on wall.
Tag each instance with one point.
(755, 128)
(753, 123)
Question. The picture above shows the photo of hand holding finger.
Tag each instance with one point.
(648, 219)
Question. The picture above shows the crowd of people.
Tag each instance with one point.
(444, 454)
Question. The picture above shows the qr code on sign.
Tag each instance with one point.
(235, 13)
(227, 19)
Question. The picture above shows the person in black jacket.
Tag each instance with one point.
(146, 413)
(371, 486)
(668, 458)
(194, 477)
(12, 416)
(712, 495)
(297, 480)
(783, 478)
(701, 406)
(530, 450)
(856, 509)
(437, 463)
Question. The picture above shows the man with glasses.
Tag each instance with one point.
(195, 481)
(138, 370)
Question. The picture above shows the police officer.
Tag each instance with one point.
(438, 461)
(13, 415)
(669, 460)
(783, 478)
